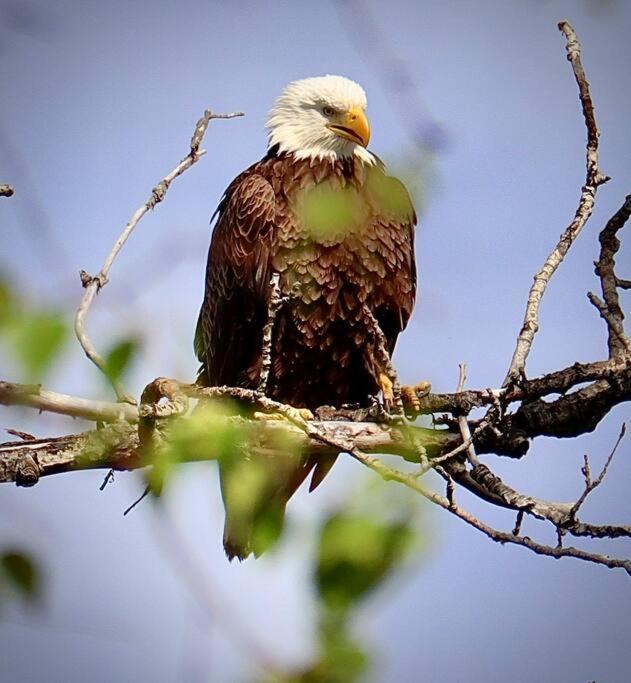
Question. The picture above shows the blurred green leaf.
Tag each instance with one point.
(257, 462)
(340, 659)
(22, 573)
(390, 195)
(355, 554)
(328, 212)
(119, 357)
(6, 302)
(34, 336)
(36, 339)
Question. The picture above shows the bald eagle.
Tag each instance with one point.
(319, 211)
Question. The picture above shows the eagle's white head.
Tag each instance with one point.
(322, 117)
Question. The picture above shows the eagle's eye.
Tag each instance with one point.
(328, 111)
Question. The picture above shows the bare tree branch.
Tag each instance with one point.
(6, 191)
(590, 484)
(594, 178)
(389, 474)
(618, 340)
(605, 269)
(34, 396)
(93, 284)
(463, 423)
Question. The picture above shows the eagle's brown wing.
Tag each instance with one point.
(392, 235)
(228, 339)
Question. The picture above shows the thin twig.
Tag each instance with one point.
(590, 484)
(144, 494)
(594, 178)
(463, 423)
(6, 191)
(518, 523)
(618, 340)
(93, 284)
(109, 477)
(389, 474)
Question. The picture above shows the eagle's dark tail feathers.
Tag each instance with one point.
(255, 494)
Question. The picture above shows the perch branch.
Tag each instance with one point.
(594, 178)
(93, 284)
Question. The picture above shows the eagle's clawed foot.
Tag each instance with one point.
(412, 395)
(387, 391)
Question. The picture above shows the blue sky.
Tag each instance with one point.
(98, 103)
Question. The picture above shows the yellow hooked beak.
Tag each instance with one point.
(353, 126)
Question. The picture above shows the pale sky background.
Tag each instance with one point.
(97, 103)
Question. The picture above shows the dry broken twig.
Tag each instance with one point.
(93, 284)
(591, 484)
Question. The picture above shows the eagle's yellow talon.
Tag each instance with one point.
(387, 388)
(410, 399)
(412, 395)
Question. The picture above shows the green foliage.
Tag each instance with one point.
(20, 574)
(38, 338)
(341, 659)
(355, 554)
(6, 302)
(33, 335)
(329, 212)
(390, 196)
(252, 479)
(119, 357)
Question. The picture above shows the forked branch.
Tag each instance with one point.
(93, 284)
(594, 178)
